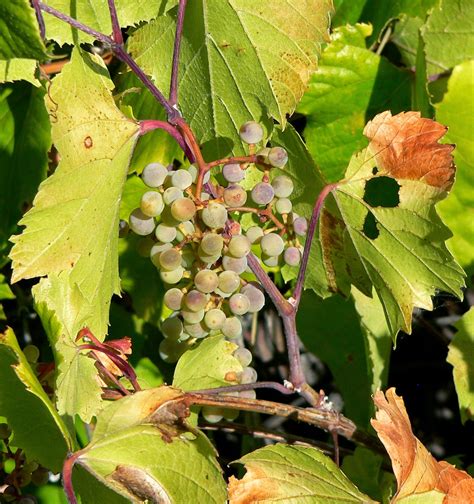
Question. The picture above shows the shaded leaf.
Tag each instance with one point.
(36, 425)
(461, 357)
(351, 85)
(415, 468)
(19, 32)
(255, 65)
(284, 473)
(5, 293)
(379, 227)
(347, 11)
(455, 110)
(209, 364)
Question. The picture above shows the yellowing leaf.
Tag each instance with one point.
(415, 468)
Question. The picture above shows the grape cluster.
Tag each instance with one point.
(201, 250)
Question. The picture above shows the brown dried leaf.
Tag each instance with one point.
(406, 147)
(416, 470)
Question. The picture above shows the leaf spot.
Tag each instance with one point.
(88, 142)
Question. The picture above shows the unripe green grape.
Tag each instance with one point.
(251, 132)
(215, 318)
(214, 215)
(206, 280)
(232, 327)
(183, 209)
(239, 304)
(283, 206)
(151, 203)
(194, 174)
(278, 157)
(235, 196)
(165, 233)
(249, 375)
(192, 317)
(40, 476)
(173, 298)
(184, 229)
(196, 330)
(272, 244)
(171, 194)
(172, 328)
(154, 174)
(170, 259)
(195, 300)
(230, 415)
(243, 355)
(239, 246)
(233, 172)
(229, 281)
(248, 394)
(156, 250)
(5, 431)
(270, 261)
(140, 223)
(31, 353)
(262, 193)
(212, 414)
(292, 256)
(170, 350)
(300, 225)
(206, 258)
(123, 228)
(283, 186)
(181, 179)
(212, 244)
(188, 256)
(236, 264)
(256, 297)
(254, 234)
(173, 276)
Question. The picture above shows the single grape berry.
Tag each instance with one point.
(214, 215)
(171, 194)
(165, 233)
(172, 276)
(235, 196)
(283, 206)
(243, 355)
(196, 330)
(262, 193)
(206, 281)
(300, 225)
(233, 172)
(140, 223)
(251, 132)
(254, 234)
(212, 414)
(172, 328)
(239, 304)
(183, 209)
(181, 179)
(236, 264)
(195, 300)
(283, 186)
(154, 174)
(31, 353)
(292, 256)
(212, 244)
(270, 261)
(239, 246)
(173, 298)
(192, 317)
(229, 281)
(249, 375)
(272, 244)
(232, 327)
(255, 295)
(170, 259)
(214, 318)
(151, 203)
(278, 157)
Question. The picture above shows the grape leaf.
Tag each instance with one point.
(95, 14)
(24, 145)
(379, 227)
(19, 32)
(71, 231)
(297, 474)
(36, 425)
(255, 64)
(357, 357)
(143, 439)
(209, 364)
(347, 11)
(18, 69)
(415, 468)
(449, 34)
(461, 357)
(5, 293)
(351, 85)
(455, 111)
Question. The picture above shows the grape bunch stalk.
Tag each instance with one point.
(194, 235)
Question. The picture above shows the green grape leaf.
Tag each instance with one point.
(461, 357)
(24, 145)
(37, 427)
(95, 14)
(71, 233)
(379, 227)
(18, 69)
(449, 34)
(297, 474)
(209, 364)
(19, 32)
(455, 111)
(143, 449)
(357, 357)
(254, 65)
(5, 293)
(347, 11)
(351, 85)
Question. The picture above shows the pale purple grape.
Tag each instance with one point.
(254, 234)
(237, 264)
(140, 223)
(170, 259)
(272, 244)
(206, 281)
(300, 225)
(248, 375)
(255, 295)
(292, 256)
(239, 304)
(283, 186)
(181, 179)
(270, 261)
(197, 330)
(192, 317)
(278, 157)
(154, 174)
(195, 300)
(243, 355)
(262, 193)
(233, 172)
(212, 244)
(173, 298)
(172, 328)
(235, 196)
(283, 206)
(251, 132)
(232, 327)
(156, 251)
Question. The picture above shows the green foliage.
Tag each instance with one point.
(18, 69)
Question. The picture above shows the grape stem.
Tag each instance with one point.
(67, 476)
(116, 30)
(39, 17)
(153, 124)
(234, 160)
(176, 51)
(267, 212)
(247, 386)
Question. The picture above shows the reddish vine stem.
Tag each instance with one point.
(176, 52)
(39, 17)
(233, 160)
(152, 124)
(116, 30)
(247, 386)
(67, 476)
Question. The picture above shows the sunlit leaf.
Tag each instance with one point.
(18, 69)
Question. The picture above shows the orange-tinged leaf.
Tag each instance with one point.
(416, 470)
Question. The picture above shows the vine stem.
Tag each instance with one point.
(68, 466)
(39, 17)
(247, 386)
(176, 52)
(116, 30)
(153, 124)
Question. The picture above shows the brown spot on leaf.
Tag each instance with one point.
(231, 376)
(253, 487)
(88, 142)
(406, 147)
